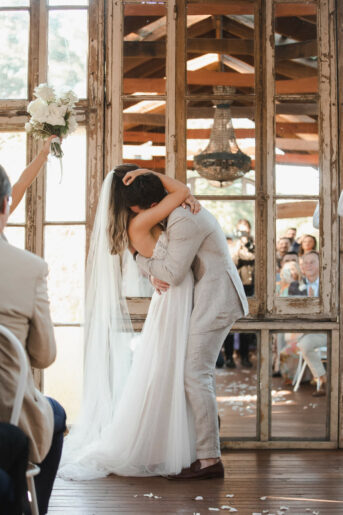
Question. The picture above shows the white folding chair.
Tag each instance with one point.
(302, 366)
(33, 470)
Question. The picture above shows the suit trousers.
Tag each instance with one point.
(44, 482)
(14, 452)
(200, 385)
(308, 345)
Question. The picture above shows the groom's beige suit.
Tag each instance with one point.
(24, 310)
(198, 242)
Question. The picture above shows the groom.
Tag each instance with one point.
(197, 241)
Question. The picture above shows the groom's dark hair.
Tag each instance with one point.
(143, 191)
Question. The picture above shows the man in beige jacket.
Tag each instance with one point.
(24, 310)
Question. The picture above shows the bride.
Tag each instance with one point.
(134, 418)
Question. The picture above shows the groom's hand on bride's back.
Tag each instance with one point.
(193, 203)
(160, 286)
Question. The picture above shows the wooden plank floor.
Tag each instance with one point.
(304, 481)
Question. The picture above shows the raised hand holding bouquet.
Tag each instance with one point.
(50, 115)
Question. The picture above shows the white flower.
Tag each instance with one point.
(28, 127)
(56, 114)
(69, 98)
(72, 124)
(38, 109)
(44, 92)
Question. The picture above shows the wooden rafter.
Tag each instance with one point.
(284, 130)
(158, 163)
(210, 78)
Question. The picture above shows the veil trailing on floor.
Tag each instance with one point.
(107, 336)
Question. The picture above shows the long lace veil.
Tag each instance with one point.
(107, 335)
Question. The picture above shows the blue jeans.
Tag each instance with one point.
(44, 482)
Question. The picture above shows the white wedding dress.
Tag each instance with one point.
(151, 430)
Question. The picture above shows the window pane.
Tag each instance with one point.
(237, 219)
(299, 414)
(145, 28)
(14, 54)
(296, 236)
(63, 379)
(296, 49)
(68, 51)
(220, 47)
(66, 196)
(212, 131)
(144, 134)
(297, 148)
(14, 3)
(65, 254)
(13, 159)
(68, 3)
(236, 379)
(15, 236)
(135, 284)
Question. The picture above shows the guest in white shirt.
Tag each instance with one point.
(310, 268)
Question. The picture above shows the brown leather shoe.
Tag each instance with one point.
(215, 471)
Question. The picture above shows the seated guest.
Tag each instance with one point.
(14, 450)
(308, 243)
(24, 310)
(308, 343)
(291, 235)
(310, 267)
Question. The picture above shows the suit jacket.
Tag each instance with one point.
(293, 289)
(198, 241)
(24, 310)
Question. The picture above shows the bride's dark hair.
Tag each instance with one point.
(118, 210)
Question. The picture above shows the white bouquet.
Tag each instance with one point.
(52, 115)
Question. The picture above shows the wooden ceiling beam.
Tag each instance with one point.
(210, 78)
(153, 49)
(158, 120)
(158, 163)
(295, 28)
(288, 10)
(296, 50)
(295, 209)
(286, 130)
(228, 7)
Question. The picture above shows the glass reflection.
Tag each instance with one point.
(70, 190)
(135, 284)
(68, 50)
(14, 53)
(225, 42)
(299, 385)
(236, 378)
(145, 31)
(144, 134)
(15, 236)
(68, 365)
(296, 49)
(65, 253)
(13, 159)
(200, 117)
(237, 219)
(297, 251)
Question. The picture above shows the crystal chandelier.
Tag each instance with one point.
(222, 160)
